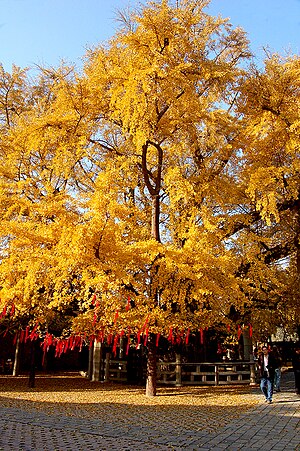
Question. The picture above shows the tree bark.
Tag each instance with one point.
(247, 343)
(153, 181)
(155, 218)
(151, 367)
(17, 359)
(90, 364)
(97, 357)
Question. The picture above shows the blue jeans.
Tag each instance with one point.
(277, 379)
(266, 386)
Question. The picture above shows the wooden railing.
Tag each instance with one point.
(115, 370)
(178, 373)
(216, 373)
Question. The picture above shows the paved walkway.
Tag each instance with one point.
(264, 428)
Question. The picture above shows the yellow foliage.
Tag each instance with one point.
(159, 175)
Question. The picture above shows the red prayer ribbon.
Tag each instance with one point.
(146, 336)
(187, 336)
(201, 336)
(157, 339)
(250, 330)
(239, 332)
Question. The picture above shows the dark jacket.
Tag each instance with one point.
(296, 362)
(272, 365)
(277, 358)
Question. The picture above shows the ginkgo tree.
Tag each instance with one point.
(132, 194)
(269, 103)
(161, 95)
(42, 170)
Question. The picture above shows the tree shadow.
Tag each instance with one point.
(74, 382)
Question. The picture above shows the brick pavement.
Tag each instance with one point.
(264, 427)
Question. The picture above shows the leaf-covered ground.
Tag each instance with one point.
(71, 395)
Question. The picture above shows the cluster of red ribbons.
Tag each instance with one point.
(62, 345)
(8, 311)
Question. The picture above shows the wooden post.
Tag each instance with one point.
(122, 349)
(216, 375)
(178, 370)
(106, 372)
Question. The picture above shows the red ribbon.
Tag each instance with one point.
(109, 339)
(4, 312)
(128, 342)
(26, 333)
(128, 346)
(250, 330)
(145, 324)
(15, 338)
(138, 339)
(95, 319)
(116, 341)
(128, 304)
(187, 337)
(201, 336)
(77, 341)
(157, 339)
(146, 336)
(92, 338)
(22, 336)
(239, 332)
(71, 342)
(12, 310)
(33, 335)
(178, 339)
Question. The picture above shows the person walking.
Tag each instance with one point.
(266, 366)
(277, 374)
(296, 367)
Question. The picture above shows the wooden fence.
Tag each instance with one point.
(217, 373)
(115, 370)
(179, 374)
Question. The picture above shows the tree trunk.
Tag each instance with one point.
(153, 184)
(155, 218)
(97, 357)
(151, 367)
(106, 369)
(247, 343)
(90, 364)
(16, 367)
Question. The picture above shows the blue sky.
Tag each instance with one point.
(46, 31)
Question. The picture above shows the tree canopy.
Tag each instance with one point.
(156, 190)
